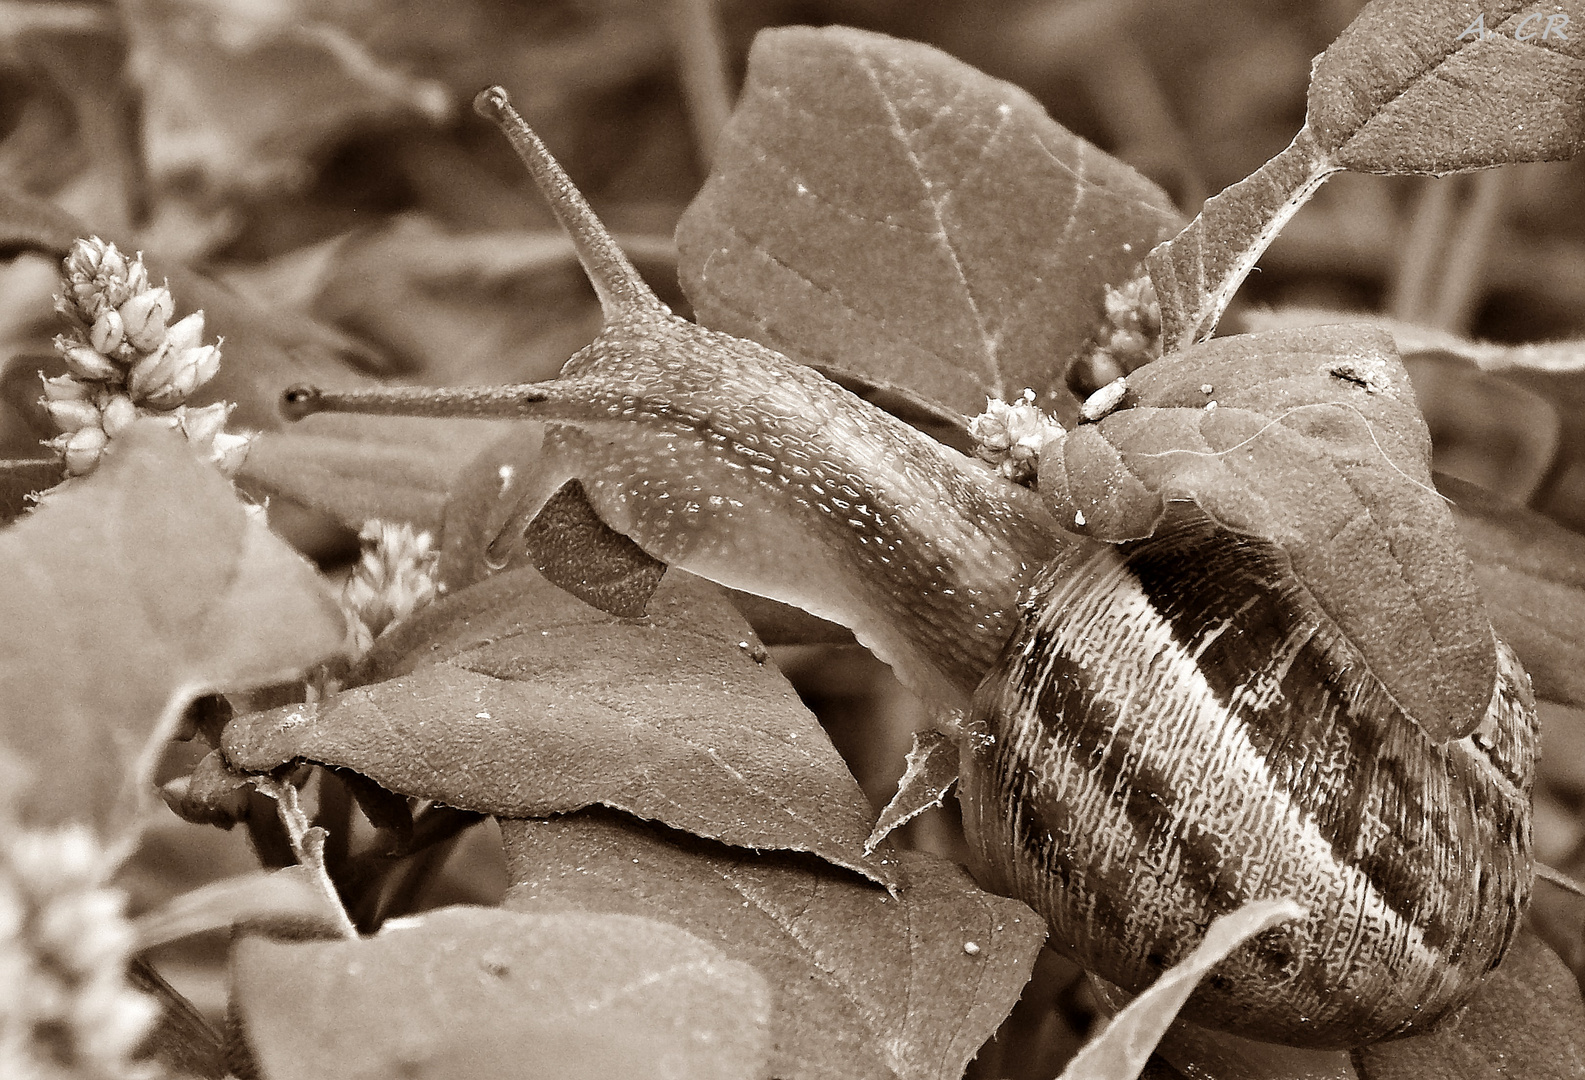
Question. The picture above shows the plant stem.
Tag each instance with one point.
(1465, 276)
(308, 844)
(1414, 281)
(701, 65)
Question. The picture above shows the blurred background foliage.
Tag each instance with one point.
(322, 159)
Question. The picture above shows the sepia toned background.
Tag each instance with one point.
(322, 158)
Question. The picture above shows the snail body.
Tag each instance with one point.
(1160, 729)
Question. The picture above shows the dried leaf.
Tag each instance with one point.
(129, 593)
(573, 548)
(864, 985)
(482, 994)
(1308, 438)
(1406, 88)
(1119, 1052)
(1528, 1020)
(882, 208)
(931, 771)
(513, 698)
(1531, 574)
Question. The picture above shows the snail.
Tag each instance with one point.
(1151, 731)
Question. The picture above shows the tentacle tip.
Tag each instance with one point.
(300, 401)
(492, 103)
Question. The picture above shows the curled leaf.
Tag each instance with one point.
(1308, 438)
(1119, 1052)
(931, 771)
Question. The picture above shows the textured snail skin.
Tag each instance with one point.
(723, 458)
(1175, 731)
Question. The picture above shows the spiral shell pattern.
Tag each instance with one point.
(1177, 729)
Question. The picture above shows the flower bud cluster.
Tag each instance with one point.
(395, 577)
(125, 359)
(1010, 436)
(1129, 338)
(66, 1008)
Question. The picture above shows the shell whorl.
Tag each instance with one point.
(1176, 729)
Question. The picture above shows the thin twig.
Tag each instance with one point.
(1464, 273)
(701, 65)
(1414, 281)
(308, 843)
(1560, 879)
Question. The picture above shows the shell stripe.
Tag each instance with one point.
(1347, 756)
(1192, 795)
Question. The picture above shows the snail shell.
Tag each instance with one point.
(1177, 729)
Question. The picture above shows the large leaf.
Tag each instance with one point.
(129, 593)
(862, 985)
(483, 994)
(1510, 418)
(1408, 87)
(882, 208)
(1309, 438)
(515, 699)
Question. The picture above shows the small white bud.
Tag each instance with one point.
(165, 378)
(1010, 436)
(87, 363)
(65, 388)
(137, 278)
(202, 425)
(186, 333)
(228, 452)
(204, 361)
(1104, 400)
(83, 450)
(116, 414)
(144, 317)
(72, 415)
(89, 257)
(107, 332)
